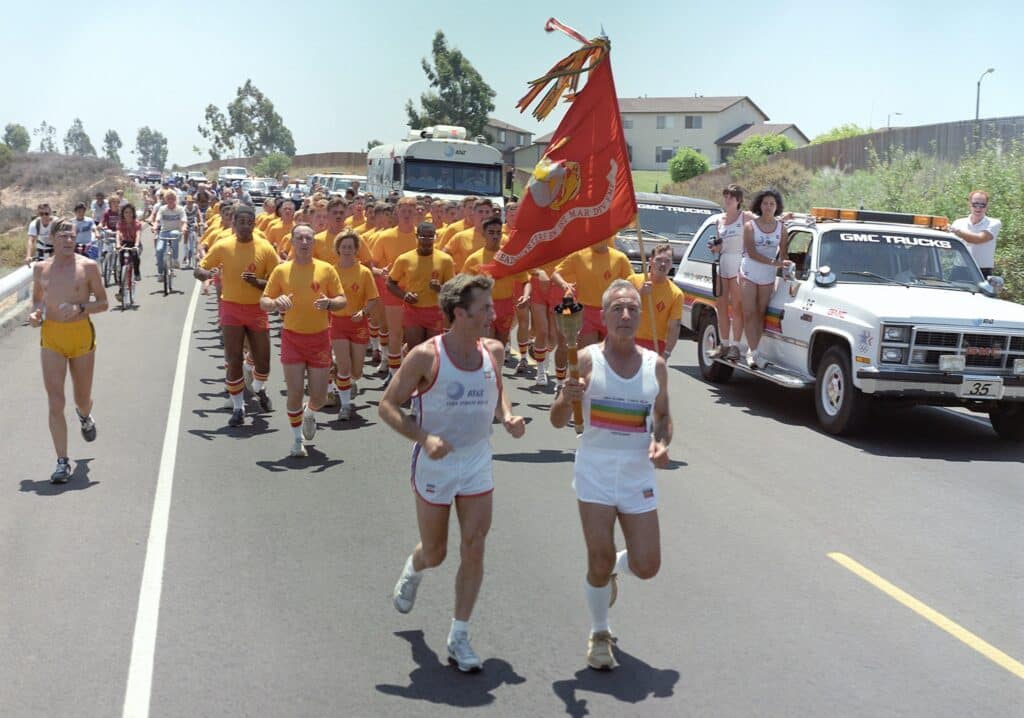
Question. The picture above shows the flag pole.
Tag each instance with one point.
(643, 264)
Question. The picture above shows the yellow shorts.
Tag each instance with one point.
(69, 339)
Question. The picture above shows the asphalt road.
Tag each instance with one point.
(277, 572)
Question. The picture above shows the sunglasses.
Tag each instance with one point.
(979, 204)
(44, 214)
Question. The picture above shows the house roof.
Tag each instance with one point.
(499, 125)
(682, 104)
(544, 139)
(744, 132)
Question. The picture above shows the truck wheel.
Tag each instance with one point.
(1008, 421)
(707, 339)
(842, 408)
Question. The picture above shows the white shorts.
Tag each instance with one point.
(623, 479)
(466, 471)
(729, 265)
(760, 274)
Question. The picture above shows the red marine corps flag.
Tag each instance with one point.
(581, 191)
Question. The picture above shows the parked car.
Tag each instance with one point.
(664, 218)
(196, 176)
(152, 176)
(295, 191)
(257, 189)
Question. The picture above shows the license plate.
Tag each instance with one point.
(981, 388)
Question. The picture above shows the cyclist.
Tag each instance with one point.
(169, 224)
(39, 245)
(128, 229)
(194, 217)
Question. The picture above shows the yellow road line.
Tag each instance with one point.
(951, 627)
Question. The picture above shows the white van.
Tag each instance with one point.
(228, 174)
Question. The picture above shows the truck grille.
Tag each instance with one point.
(982, 351)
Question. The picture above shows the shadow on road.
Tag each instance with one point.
(436, 682)
(632, 682)
(541, 456)
(259, 425)
(79, 480)
(316, 463)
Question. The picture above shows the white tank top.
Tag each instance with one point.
(617, 411)
(731, 235)
(459, 404)
(767, 244)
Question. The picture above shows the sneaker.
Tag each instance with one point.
(264, 400)
(522, 366)
(345, 413)
(732, 354)
(247, 376)
(118, 295)
(88, 427)
(404, 596)
(237, 417)
(759, 361)
(719, 352)
(542, 377)
(298, 449)
(63, 471)
(332, 397)
(375, 358)
(462, 654)
(308, 425)
(599, 651)
(355, 389)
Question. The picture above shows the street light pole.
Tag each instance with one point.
(977, 97)
(888, 119)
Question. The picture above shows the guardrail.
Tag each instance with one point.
(15, 288)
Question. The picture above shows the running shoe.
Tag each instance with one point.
(599, 651)
(298, 449)
(308, 425)
(332, 397)
(247, 376)
(265, 405)
(462, 654)
(117, 295)
(523, 365)
(62, 473)
(88, 426)
(237, 417)
(375, 358)
(404, 596)
(732, 354)
(542, 377)
(719, 352)
(345, 413)
(355, 389)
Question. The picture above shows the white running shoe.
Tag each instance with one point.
(542, 377)
(345, 413)
(308, 425)
(462, 654)
(247, 376)
(298, 449)
(404, 596)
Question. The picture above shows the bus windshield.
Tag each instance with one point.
(452, 178)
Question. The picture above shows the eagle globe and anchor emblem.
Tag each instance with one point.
(554, 184)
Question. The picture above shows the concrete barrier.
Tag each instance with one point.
(15, 296)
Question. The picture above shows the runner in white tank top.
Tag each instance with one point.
(765, 243)
(456, 383)
(627, 427)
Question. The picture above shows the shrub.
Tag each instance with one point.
(273, 165)
(756, 148)
(841, 133)
(6, 153)
(686, 163)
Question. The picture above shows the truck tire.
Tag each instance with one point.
(842, 408)
(707, 339)
(1008, 421)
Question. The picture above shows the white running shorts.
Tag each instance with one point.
(729, 265)
(623, 479)
(464, 472)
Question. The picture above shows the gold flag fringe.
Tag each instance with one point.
(566, 77)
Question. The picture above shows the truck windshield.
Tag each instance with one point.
(875, 257)
(672, 222)
(452, 178)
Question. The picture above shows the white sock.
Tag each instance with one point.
(297, 430)
(236, 401)
(727, 342)
(622, 563)
(257, 386)
(458, 626)
(409, 570)
(346, 396)
(306, 411)
(375, 343)
(597, 602)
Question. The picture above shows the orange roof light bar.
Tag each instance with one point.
(870, 215)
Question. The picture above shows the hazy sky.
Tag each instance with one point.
(339, 73)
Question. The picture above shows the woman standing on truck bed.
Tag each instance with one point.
(764, 244)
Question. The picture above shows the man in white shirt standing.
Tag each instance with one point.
(979, 231)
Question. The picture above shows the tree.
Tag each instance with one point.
(841, 132)
(460, 95)
(151, 148)
(111, 144)
(756, 148)
(47, 137)
(5, 155)
(372, 143)
(76, 142)
(251, 126)
(687, 163)
(274, 164)
(17, 138)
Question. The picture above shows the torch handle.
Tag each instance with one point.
(574, 372)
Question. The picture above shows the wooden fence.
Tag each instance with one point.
(351, 160)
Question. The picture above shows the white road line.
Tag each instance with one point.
(140, 669)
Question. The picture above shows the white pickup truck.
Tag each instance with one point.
(878, 307)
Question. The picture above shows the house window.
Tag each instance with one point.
(520, 140)
(664, 154)
(627, 124)
(501, 136)
(665, 122)
(694, 122)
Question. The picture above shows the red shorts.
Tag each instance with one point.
(250, 316)
(504, 314)
(345, 328)
(517, 290)
(390, 300)
(592, 321)
(429, 318)
(313, 350)
(549, 295)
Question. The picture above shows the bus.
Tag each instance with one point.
(438, 161)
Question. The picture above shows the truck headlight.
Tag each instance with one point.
(892, 355)
(952, 362)
(896, 334)
(1018, 366)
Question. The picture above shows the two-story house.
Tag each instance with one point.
(507, 138)
(656, 127)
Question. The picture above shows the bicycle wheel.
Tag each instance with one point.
(125, 293)
(108, 269)
(129, 273)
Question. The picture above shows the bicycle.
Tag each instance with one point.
(126, 292)
(166, 263)
(108, 259)
(189, 260)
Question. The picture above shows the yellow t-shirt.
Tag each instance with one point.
(464, 244)
(449, 231)
(212, 227)
(304, 283)
(323, 248)
(592, 272)
(212, 212)
(263, 220)
(357, 281)
(668, 305)
(279, 235)
(233, 258)
(390, 244)
(413, 273)
(504, 288)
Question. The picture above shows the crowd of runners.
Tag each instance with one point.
(401, 285)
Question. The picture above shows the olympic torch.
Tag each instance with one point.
(569, 316)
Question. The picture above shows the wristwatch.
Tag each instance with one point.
(81, 308)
